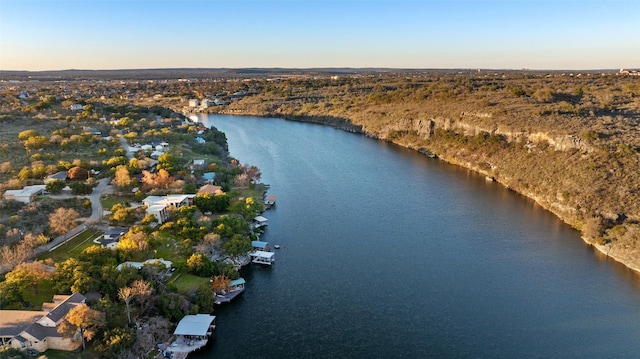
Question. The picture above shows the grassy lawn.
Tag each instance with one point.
(108, 201)
(61, 354)
(254, 191)
(45, 294)
(185, 281)
(73, 247)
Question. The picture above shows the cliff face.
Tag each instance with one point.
(426, 127)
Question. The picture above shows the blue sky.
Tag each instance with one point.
(507, 34)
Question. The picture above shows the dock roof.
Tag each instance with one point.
(237, 282)
(259, 244)
(197, 324)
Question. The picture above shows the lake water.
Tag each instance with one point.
(386, 253)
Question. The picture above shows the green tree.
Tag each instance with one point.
(130, 137)
(121, 214)
(168, 162)
(55, 186)
(37, 142)
(212, 203)
(117, 343)
(10, 292)
(237, 245)
(28, 275)
(26, 134)
(198, 264)
(80, 188)
(227, 226)
(125, 122)
(249, 208)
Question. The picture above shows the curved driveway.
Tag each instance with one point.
(96, 215)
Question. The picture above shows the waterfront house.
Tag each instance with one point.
(38, 330)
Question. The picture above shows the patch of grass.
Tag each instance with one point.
(61, 354)
(45, 294)
(74, 247)
(108, 201)
(185, 281)
(35, 300)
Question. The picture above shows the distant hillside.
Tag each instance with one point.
(569, 141)
(207, 73)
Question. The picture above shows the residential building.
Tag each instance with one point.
(158, 206)
(38, 330)
(25, 195)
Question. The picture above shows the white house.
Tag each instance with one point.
(206, 103)
(194, 103)
(158, 206)
(26, 195)
(76, 107)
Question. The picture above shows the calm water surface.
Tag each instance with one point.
(388, 254)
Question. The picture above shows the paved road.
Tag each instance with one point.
(96, 215)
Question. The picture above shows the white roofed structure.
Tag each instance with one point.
(262, 257)
(198, 325)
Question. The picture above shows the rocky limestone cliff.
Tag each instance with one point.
(426, 128)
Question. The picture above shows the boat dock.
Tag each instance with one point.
(236, 287)
(269, 202)
(262, 257)
(192, 333)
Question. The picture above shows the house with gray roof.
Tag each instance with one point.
(38, 330)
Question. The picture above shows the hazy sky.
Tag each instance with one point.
(125, 34)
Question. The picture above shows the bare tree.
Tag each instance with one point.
(126, 294)
(63, 220)
(122, 179)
